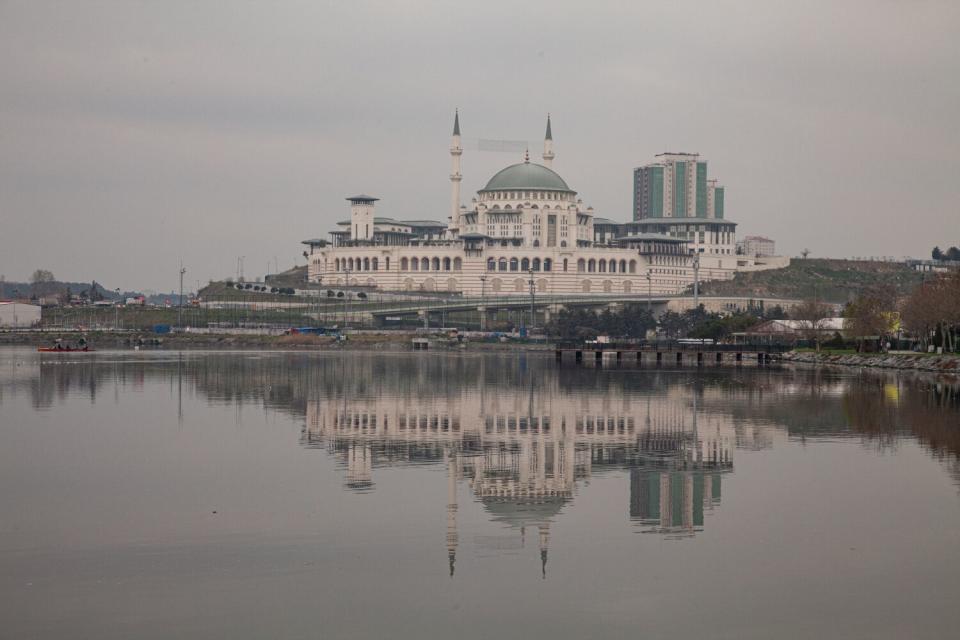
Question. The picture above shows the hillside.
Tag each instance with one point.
(836, 281)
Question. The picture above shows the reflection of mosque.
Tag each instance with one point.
(522, 454)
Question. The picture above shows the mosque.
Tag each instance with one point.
(526, 227)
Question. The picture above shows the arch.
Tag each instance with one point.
(541, 286)
(591, 265)
(491, 264)
(350, 264)
(435, 264)
(502, 265)
(519, 285)
(514, 264)
(581, 265)
(633, 266)
(404, 264)
(627, 286)
(452, 284)
(336, 264)
(408, 284)
(607, 286)
(585, 286)
(547, 264)
(496, 284)
(428, 284)
(536, 264)
(366, 264)
(424, 264)
(563, 243)
(602, 266)
(387, 265)
(446, 264)
(371, 282)
(613, 266)
(414, 264)
(564, 264)
(525, 264)
(623, 266)
(374, 264)
(457, 264)
(536, 243)
(507, 207)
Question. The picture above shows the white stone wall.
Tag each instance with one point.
(452, 269)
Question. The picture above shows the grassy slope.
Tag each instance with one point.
(830, 280)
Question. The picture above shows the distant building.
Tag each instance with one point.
(778, 330)
(756, 246)
(17, 315)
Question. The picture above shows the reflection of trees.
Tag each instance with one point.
(884, 408)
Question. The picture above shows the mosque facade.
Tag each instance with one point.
(525, 228)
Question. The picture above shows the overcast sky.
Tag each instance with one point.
(137, 134)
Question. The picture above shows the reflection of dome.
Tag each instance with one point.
(523, 511)
(529, 176)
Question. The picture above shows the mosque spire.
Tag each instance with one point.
(456, 123)
(548, 154)
(455, 177)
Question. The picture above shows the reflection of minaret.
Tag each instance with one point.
(359, 466)
(452, 537)
(544, 543)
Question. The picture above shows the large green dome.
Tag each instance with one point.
(526, 176)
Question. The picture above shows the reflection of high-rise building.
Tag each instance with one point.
(673, 502)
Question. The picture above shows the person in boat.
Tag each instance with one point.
(59, 344)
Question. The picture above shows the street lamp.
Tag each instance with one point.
(649, 292)
(532, 295)
(696, 279)
(346, 294)
(180, 307)
(483, 301)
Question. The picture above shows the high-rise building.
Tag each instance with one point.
(674, 196)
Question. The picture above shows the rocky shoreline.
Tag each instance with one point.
(911, 362)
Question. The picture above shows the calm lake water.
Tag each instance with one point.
(292, 495)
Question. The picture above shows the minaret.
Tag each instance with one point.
(455, 177)
(548, 146)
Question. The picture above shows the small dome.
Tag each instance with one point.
(526, 176)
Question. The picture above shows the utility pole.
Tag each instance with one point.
(180, 309)
(116, 312)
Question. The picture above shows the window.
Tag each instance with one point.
(547, 264)
(491, 264)
(514, 264)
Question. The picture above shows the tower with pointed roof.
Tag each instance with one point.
(455, 176)
(548, 154)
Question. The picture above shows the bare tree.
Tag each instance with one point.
(872, 314)
(41, 280)
(812, 316)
